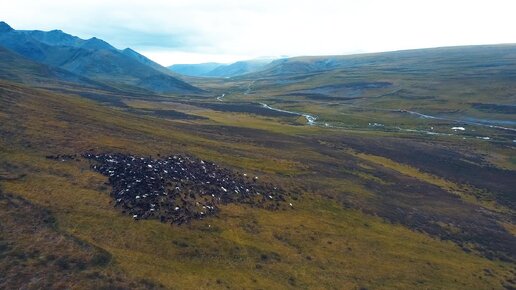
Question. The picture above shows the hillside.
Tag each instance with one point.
(363, 172)
(16, 68)
(416, 61)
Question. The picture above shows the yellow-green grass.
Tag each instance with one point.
(317, 244)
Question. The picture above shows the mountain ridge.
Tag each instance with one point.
(94, 59)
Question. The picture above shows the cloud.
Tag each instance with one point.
(224, 29)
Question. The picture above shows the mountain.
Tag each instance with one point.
(14, 67)
(94, 59)
(146, 61)
(194, 70)
(212, 69)
(239, 68)
(4, 27)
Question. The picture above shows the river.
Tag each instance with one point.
(310, 119)
(219, 98)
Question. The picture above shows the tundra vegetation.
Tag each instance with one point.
(377, 193)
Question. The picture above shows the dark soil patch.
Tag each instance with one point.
(495, 108)
(249, 108)
(425, 207)
(168, 114)
(319, 96)
(342, 91)
(444, 161)
(428, 208)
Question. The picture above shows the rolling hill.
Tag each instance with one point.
(408, 61)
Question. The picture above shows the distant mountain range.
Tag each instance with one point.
(212, 69)
(55, 56)
(93, 61)
(409, 61)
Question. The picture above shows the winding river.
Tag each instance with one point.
(310, 119)
(219, 98)
(469, 122)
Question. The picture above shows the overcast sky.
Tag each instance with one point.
(194, 31)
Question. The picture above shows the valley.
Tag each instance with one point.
(386, 171)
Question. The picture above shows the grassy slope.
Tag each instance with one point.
(318, 244)
(37, 254)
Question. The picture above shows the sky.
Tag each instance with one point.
(196, 31)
